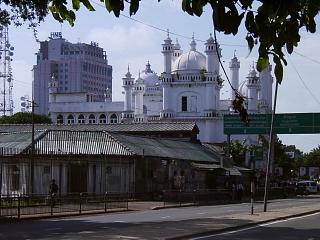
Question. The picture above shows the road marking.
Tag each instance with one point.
(289, 219)
(201, 213)
(166, 217)
(257, 226)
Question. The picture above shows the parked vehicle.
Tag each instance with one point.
(306, 187)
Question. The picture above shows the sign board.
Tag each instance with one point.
(285, 123)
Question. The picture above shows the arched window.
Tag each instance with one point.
(70, 119)
(59, 119)
(92, 118)
(113, 118)
(81, 119)
(102, 118)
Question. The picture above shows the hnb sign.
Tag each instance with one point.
(55, 35)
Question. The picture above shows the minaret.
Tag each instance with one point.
(253, 88)
(211, 50)
(127, 84)
(266, 81)
(148, 68)
(166, 78)
(53, 88)
(234, 66)
(139, 89)
(167, 51)
(176, 51)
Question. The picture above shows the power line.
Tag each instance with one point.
(166, 30)
(311, 59)
(304, 84)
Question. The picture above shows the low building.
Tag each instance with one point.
(99, 161)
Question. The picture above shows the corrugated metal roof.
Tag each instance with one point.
(14, 143)
(100, 142)
(80, 142)
(168, 148)
(121, 127)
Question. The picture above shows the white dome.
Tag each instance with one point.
(150, 77)
(192, 60)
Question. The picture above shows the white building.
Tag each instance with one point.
(76, 67)
(187, 89)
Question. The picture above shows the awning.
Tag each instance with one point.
(232, 171)
(206, 166)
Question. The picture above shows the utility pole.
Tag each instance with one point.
(271, 142)
(31, 159)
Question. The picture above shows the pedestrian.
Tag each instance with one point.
(239, 191)
(53, 189)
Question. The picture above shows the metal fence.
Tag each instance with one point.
(69, 204)
(217, 196)
(197, 197)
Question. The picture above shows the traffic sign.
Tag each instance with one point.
(285, 123)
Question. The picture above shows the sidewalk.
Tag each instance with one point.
(175, 228)
(187, 229)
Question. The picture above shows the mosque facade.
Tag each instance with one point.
(188, 89)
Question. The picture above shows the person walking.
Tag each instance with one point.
(53, 189)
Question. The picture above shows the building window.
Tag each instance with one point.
(92, 119)
(145, 109)
(60, 119)
(113, 118)
(102, 118)
(81, 119)
(184, 104)
(70, 119)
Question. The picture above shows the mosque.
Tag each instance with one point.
(188, 89)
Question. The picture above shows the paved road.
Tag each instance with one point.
(149, 224)
(299, 228)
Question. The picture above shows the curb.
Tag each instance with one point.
(227, 229)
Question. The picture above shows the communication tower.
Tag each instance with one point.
(6, 85)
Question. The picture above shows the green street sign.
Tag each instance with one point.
(285, 123)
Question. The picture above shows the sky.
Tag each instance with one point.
(138, 40)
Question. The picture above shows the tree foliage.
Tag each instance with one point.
(24, 118)
(237, 151)
(311, 159)
(273, 26)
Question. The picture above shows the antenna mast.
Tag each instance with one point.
(6, 85)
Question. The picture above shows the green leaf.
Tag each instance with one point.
(134, 6)
(262, 63)
(76, 4)
(197, 7)
(289, 47)
(249, 21)
(108, 5)
(87, 4)
(250, 42)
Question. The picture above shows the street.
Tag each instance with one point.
(147, 224)
(299, 228)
